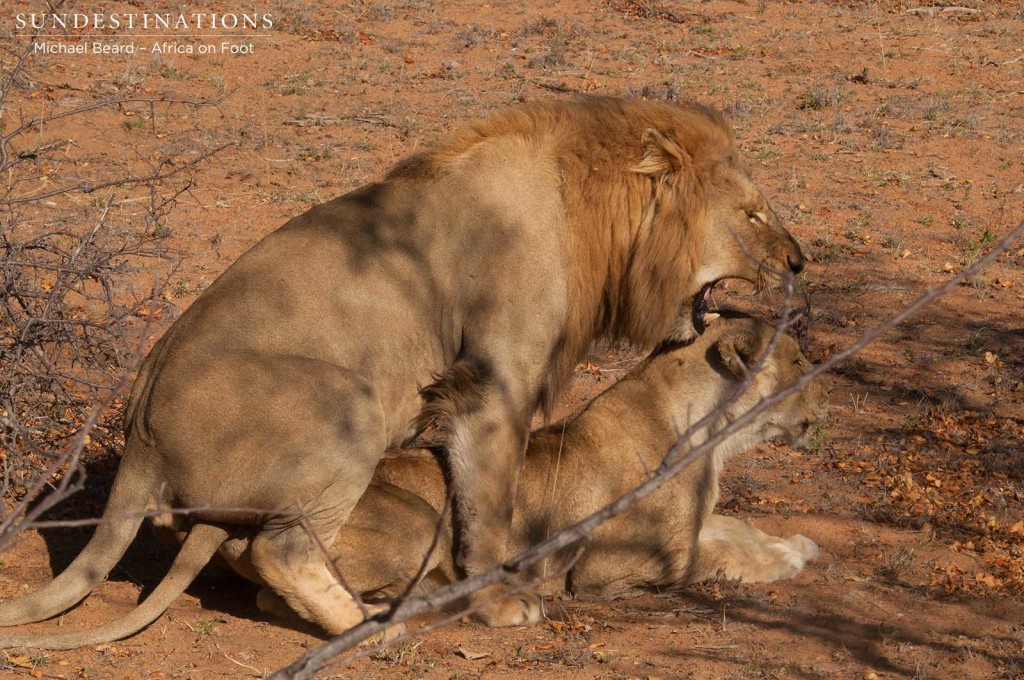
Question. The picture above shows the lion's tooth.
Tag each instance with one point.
(711, 316)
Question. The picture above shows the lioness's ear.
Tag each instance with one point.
(661, 154)
(738, 350)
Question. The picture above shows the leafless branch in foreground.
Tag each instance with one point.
(369, 650)
(316, 659)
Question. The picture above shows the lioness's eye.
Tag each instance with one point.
(756, 218)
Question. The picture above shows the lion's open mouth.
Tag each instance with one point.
(702, 315)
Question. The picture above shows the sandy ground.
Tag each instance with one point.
(890, 140)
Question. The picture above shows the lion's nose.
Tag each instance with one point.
(796, 261)
(794, 256)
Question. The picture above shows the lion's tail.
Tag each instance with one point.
(200, 546)
(130, 497)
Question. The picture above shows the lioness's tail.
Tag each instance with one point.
(200, 546)
(130, 497)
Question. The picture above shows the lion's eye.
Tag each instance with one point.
(756, 218)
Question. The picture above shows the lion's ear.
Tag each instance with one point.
(661, 154)
(738, 350)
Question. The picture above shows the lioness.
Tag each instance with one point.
(465, 285)
(572, 469)
(578, 466)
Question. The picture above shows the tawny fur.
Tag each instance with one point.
(571, 469)
(508, 248)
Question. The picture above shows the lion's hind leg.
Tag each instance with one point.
(293, 564)
(732, 549)
(316, 435)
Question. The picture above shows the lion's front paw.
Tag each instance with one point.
(497, 607)
(791, 556)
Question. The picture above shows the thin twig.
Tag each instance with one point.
(456, 616)
(439, 527)
(87, 187)
(46, 120)
(333, 563)
(931, 11)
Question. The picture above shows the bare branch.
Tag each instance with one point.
(439, 527)
(120, 101)
(452, 618)
(87, 187)
(68, 337)
(10, 526)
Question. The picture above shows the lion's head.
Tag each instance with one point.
(660, 209)
(702, 189)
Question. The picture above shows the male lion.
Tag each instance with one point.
(465, 284)
(572, 469)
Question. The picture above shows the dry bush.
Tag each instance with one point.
(82, 261)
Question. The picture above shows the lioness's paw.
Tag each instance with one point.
(787, 557)
(516, 609)
(807, 548)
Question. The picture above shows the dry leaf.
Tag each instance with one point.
(987, 579)
(471, 655)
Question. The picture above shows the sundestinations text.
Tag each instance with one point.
(142, 21)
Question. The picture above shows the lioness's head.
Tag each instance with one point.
(739, 351)
(704, 376)
(702, 189)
